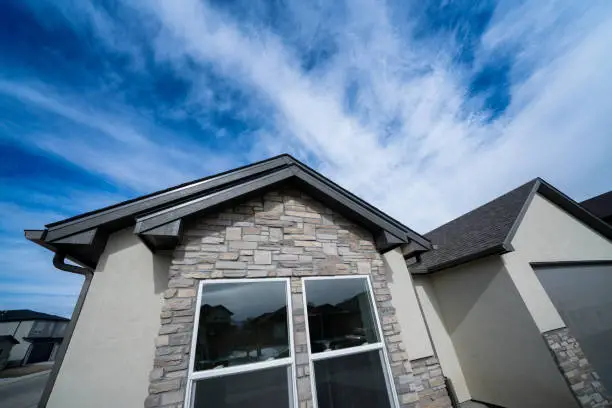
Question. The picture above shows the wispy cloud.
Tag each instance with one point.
(433, 149)
(112, 144)
(426, 109)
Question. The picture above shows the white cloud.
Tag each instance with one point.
(438, 164)
(434, 162)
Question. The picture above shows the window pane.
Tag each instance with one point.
(261, 388)
(241, 323)
(339, 314)
(351, 381)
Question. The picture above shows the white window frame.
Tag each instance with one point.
(380, 346)
(193, 376)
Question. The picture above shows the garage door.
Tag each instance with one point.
(40, 352)
(583, 296)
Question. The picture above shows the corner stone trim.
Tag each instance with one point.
(583, 380)
(282, 233)
(429, 383)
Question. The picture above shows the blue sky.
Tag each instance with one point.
(425, 108)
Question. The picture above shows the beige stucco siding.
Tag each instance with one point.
(442, 342)
(112, 349)
(503, 357)
(19, 330)
(409, 316)
(549, 234)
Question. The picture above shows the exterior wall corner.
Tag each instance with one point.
(581, 377)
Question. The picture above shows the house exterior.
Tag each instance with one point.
(516, 299)
(269, 285)
(207, 294)
(7, 342)
(37, 336)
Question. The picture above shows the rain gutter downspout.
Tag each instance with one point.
(59, 261)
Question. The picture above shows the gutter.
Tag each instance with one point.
(59, 261)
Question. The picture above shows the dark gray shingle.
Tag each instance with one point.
(600, 206)
(476, 233)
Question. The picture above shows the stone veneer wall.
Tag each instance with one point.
(580, 375)
(280, 234)
(429, 383)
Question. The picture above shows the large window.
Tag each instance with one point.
(242, 349)
(348, 360)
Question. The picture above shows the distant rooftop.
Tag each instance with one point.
(26, 314)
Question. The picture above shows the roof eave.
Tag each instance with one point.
(495, 250)
(158, 217)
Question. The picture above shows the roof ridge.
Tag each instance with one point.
(484, 205)
(166, 190)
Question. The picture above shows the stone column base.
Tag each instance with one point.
(429, 383)
(581, 377)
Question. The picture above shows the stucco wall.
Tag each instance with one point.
(19, 331)
(5, 350)
(8, 328)
(414, 331)
(548, 234)
(503, 357)
(442, 342)
(112, 349)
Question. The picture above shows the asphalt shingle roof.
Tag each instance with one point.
(488, 229)
(600, 205)
(477, 232)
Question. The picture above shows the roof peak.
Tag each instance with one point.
(489, 228)
(157, 217)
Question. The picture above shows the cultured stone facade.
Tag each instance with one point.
(283, 233)
(580, 375)
(429, 383)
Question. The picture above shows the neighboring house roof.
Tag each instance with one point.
(489, 229)
(8, 338)
(48, 339)
(26, 314)
(158, 217)
(601, 206)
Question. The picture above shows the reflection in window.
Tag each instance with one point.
(350, 366)
(262, 388)
(241, 323)
(242, 346)
(339, 314)
(351, 381)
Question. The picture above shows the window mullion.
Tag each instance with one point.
(245, 368)
(346, 351)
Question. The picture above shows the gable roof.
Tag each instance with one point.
(600, 206)
(158, 217)
(26, 314)
(489, 229)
